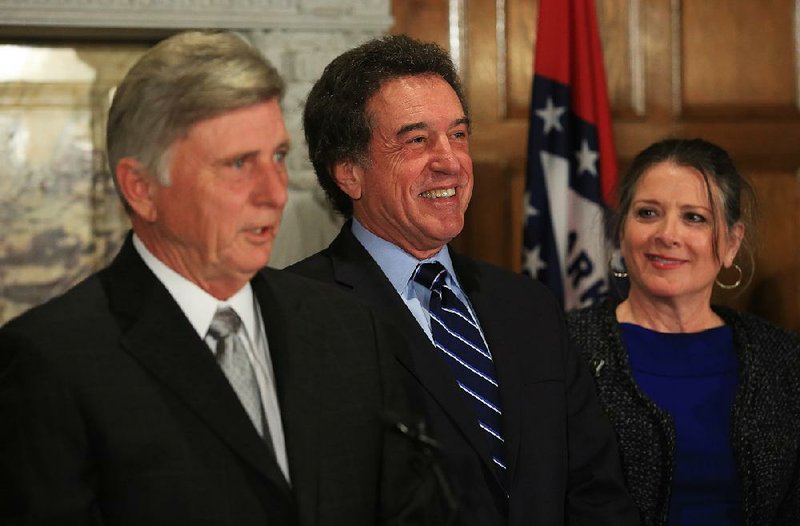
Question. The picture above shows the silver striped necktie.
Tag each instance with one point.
(232, 358)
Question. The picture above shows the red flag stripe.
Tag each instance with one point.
(568, 50)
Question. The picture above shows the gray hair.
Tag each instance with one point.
(185, 79)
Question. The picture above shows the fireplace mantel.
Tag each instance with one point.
(297, 15)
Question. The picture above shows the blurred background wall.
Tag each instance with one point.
(725, 70)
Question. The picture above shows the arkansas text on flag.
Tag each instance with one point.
(571, 171)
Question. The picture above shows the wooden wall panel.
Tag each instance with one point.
(422, 19)
(480, 76)
(656, 47)
(492, 210)
(775, 288)
(619, 34)
(737, 57)
(521, 31)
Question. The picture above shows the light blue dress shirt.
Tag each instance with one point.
(398, 266)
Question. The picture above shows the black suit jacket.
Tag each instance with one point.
(113, 411)
(561, 453)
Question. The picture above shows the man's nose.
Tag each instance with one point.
(271, 186)
(443, 159)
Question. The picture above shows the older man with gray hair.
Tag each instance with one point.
(183, 384)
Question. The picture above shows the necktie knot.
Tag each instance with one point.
(430, 275)
(225, 323)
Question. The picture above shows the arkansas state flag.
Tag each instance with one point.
(572, 169)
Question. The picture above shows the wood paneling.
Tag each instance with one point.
(620, 38)
(521, 31)
(422, 19)
(480, 77)
(724, 70)
(775, 287)
(657, 47)
(493, 209)
(737, 58)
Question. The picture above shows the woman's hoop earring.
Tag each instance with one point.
(614, 272)
(734, 285)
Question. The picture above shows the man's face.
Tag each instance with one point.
(417, 183)
(216, 221)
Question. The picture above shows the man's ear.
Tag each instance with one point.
(349, 178)
(137, 187)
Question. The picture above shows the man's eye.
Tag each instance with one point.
(238, 163)
(417, 140)
(280, 157)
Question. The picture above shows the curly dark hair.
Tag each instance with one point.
(337, 126)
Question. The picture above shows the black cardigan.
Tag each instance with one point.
(765, 425)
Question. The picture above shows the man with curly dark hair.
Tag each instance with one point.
(522, 436)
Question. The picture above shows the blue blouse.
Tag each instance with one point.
(693, 377)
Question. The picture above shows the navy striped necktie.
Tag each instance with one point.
(455, 332)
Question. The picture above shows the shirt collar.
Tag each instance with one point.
(197, 305)
(396, 263)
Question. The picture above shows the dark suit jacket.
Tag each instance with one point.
(562, 457)
(113, 411)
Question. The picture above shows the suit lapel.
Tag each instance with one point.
(158, 335)
(292, 355)
(500, 326)
(353, 267)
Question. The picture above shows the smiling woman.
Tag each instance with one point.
(674, 245)
(685, 383)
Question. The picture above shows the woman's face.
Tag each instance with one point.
(668, 236)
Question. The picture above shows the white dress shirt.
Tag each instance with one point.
(199, 307)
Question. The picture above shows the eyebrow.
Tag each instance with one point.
(233, 156)
(657, 202)
(424, 126)
(284, 145)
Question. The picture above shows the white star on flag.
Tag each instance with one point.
(551, 115)
(530, 210)
(533, 261)
(587, 158)
(569, 133)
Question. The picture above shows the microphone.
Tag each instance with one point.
(429, 446)
(416, 433)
